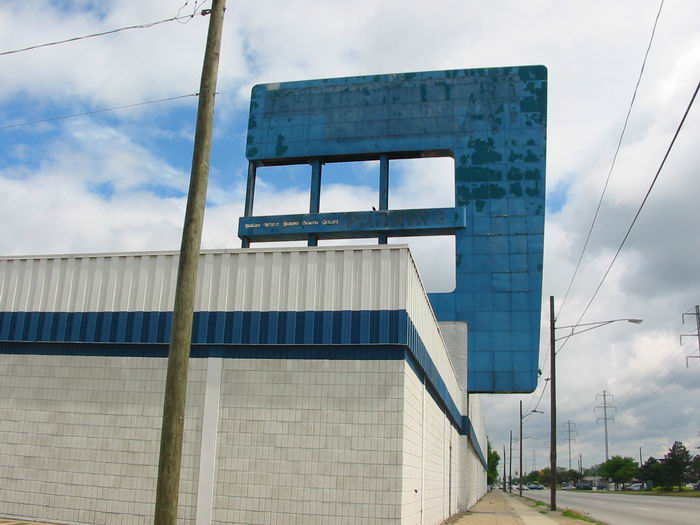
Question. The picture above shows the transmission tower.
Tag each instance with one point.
(605, 406)
(695, 314)
(568, 430)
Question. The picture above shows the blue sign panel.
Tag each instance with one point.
(493, 123)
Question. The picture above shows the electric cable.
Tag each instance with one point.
(612, 165)
(684, 390)
(544, 389)
(104, 110)
(204, 12)
(659, 367)
(654, 404)
(641, 206)
(197, 4)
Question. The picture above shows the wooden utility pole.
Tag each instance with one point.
(510, 465)
(170, 460)
(504, 469)
(553, 403)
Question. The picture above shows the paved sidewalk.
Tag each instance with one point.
(496, 508)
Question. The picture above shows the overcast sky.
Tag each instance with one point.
(117, 181)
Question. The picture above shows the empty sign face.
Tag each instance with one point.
(493, 123)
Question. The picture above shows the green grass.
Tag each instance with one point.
(654, 492)
(568, 513)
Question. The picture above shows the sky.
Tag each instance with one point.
(117, 181)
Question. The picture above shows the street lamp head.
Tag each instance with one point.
(635, 321)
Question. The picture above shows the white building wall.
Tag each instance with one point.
(80, 436)
(309, 441)
(476, 473)
(431, 490)
(412, 493)
(295, 440)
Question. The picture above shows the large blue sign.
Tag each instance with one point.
(493, 123)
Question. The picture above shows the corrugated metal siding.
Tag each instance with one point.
(323, 279)
(421, 314)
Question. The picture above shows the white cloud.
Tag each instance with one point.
(108, 184)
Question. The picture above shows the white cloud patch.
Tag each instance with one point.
(117, 183)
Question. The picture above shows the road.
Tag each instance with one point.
(625, 509)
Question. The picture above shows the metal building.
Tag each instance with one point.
(321, 390)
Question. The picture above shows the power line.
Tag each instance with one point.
(612, 165)
(204, 12)
(546, 356)
(660, 367)
(197, 4)
(661, 397)
(641, 206)
(544, 389)
(30, 123)
(638, 374)
(683, 390)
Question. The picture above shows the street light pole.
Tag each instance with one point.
(553, 386)
(521, 449)
(553, 416)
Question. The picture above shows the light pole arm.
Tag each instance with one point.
(591, 326)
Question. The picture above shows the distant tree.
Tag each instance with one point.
(695, 468)
(591, 472)
(493, 459)
(569, 476)
(619, 469)
(677, 464)
(653, 472)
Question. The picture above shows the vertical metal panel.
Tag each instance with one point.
(321, 279)
(421, 314)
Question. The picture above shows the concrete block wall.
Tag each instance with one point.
(309, 441)
(441, 470)
(476, 475)
(285, 441)
(80, 435)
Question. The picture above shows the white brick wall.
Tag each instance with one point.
(309, 442)
(427, 436)
(300, 441)
(80, 436)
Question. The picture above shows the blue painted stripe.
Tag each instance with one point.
(317, 327)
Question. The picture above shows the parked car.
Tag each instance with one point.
(636, 486)
(536, 486)
(584, 486)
